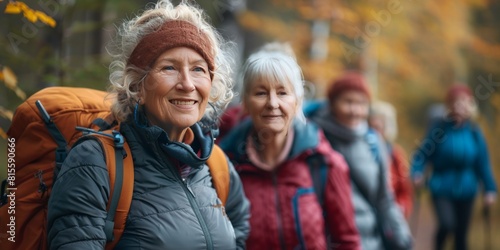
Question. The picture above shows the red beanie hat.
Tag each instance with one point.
(456, 90)
(349, 81)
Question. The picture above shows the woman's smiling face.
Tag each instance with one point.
(271, 105)
(176, 90)
(351, 108)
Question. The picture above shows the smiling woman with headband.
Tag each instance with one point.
(169, 74)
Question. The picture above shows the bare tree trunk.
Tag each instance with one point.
(96, 16)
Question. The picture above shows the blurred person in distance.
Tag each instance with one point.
(343, 119)
(383, 119)
(455, 148)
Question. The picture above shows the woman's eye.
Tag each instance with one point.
(282, 93)
(199, 69)
(260, 93)
(168, 68)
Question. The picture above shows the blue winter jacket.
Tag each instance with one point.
(459, 160)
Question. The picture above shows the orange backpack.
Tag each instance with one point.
(43, 130)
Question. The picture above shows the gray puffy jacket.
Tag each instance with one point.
(167, 212)
(365, 180)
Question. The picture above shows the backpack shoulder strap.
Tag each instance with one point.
(62, 144)
(219, 169)
(319, 175)
(311, 108)
(121, 174)
(372, 139)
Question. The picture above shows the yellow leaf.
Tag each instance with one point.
(6, 113)
(30, 15)
(9, 78)
(12, 8)
(20, 93)
(23, 6)
(1, 73)
(3, 134)
(45, 19)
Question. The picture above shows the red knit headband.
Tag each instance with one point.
(170, 35)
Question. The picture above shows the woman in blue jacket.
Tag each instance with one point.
(457, 151)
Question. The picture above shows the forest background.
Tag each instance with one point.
(409, 50)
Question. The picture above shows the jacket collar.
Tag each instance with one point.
(331, 126)
(194, 154)
(305, 138)
(450, 123)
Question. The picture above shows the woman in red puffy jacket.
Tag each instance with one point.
(298, 186)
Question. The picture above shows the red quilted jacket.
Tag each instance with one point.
(285, 212)
(400, 181)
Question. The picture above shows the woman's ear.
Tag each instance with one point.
(141, 94)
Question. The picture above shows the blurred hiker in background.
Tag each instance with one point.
(456, 150)
(383, 119)
(343, 118)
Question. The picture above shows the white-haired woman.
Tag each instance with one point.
(282, 161)
(382, 118)
(169, 67)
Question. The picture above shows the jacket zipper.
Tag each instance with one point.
(192, 201)
(196, 209)
(278, 211)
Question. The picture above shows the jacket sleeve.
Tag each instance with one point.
(483, 166)
(238, 208)
(77, 204)
(425, 151)
(339, 207)
(400, 180)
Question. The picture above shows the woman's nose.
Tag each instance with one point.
(273, 101)
(185, 81)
